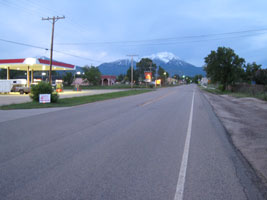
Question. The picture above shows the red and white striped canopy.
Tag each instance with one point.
(37, 64)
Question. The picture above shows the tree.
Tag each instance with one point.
(144, 65)
(135, 75)
(68, 78)
(120, 78)
(177, 77)
(261, 76)
(196, 78)
(250, 73)
(162, 74)
(92, 75)
(224, 66)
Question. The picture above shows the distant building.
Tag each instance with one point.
(204, 81)
(171, 81)
(79, 81)
(107, 80)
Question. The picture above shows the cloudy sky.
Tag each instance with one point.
(105, 30)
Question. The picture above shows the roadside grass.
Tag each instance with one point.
(121, 86)
(261, 96)
(74, 101)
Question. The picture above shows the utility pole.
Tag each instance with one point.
(54, 19)
(132, 69)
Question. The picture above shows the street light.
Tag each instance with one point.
(43, 74)
(164, 77)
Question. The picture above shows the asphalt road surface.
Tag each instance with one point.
(166, 145)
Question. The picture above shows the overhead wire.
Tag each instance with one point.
(173, 40)
(44, 48)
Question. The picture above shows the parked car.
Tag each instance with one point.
(21, 89)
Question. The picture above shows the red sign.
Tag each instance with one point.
(148, 76)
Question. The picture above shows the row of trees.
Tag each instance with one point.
(145, 64)
(90, 74)
(227, 68)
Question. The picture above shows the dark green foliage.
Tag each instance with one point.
(145, 64)
(176, 76)
(224, 66)
(250, 72)
(135, 75)
(261, 76)
(43, 88)
(68, 78)
(120, 78)
(92, 75)
(196, 78)
(162, 76)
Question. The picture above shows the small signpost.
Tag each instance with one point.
(44, 98)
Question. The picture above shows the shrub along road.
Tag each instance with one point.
(166, 144)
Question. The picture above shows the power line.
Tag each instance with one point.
(23, 44)
(44, 48)
(174, 39)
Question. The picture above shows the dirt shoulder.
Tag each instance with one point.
(245, 119)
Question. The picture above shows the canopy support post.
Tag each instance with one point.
(32, 76)
(7, 73)
(28, 76)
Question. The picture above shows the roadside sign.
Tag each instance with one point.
(44, 98)
(148, 76)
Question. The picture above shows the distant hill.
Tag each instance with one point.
(116, 68)
(171, 63)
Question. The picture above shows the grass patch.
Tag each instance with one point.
(261, 96)
(122, 86)
(99, 87)
(74, 101)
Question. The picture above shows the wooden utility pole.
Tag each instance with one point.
(54, 19)
(132, 69)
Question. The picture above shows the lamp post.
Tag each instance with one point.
(164, 77)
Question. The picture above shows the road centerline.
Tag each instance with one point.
(157, 99)
(182, 174)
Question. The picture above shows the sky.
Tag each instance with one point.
(100, 31)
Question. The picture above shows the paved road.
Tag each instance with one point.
(136, 147)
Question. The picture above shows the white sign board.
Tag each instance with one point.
(44, 98)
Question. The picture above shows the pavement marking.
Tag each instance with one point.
(182, 174)
(157, 99)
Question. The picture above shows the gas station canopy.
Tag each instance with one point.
(34, 64)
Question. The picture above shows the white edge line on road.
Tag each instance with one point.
(182, 174)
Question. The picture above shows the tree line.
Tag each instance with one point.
(225, 67)
(145, 64)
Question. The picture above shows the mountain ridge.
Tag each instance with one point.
(168, 61)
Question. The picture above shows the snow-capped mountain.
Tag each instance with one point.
(168, 61)
(163, 56)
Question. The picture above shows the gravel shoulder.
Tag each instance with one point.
(245, 119)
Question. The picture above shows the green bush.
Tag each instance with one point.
(221, 88)
(43, 88)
